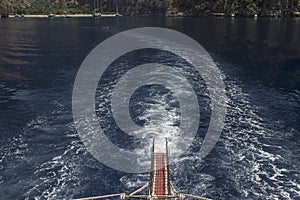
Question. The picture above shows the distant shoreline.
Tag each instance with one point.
(62, 16)
(295, 14)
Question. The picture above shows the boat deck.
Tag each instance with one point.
(159, 187)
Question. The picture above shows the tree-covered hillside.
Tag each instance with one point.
(155, 7)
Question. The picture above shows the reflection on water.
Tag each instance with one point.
(268, 48)
(257, 156)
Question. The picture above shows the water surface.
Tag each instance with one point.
(257, 157)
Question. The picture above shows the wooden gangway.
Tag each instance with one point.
(159, 175)
(160, 181)
(159, 186)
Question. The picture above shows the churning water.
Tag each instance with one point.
(257, 156)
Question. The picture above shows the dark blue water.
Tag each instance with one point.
(257, 156)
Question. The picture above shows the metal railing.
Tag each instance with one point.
(172, 192)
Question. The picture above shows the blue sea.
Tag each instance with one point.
(256, 157)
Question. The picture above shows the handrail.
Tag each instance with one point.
(124, 196)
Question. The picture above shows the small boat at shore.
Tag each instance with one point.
(4, 15)
(97, 15)
(51, 15)
(296, 14)
(64, 16)
(17, 15)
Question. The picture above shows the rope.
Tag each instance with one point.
(99, 197)
(195, 197)
(140, 189)
(173, 188)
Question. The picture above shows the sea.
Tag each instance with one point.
(257, 155)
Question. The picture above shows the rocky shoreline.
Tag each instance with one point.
(170, 8)
(60, 16)
(273, 15)
(276, 14)
(195, 8)
(178, 14)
